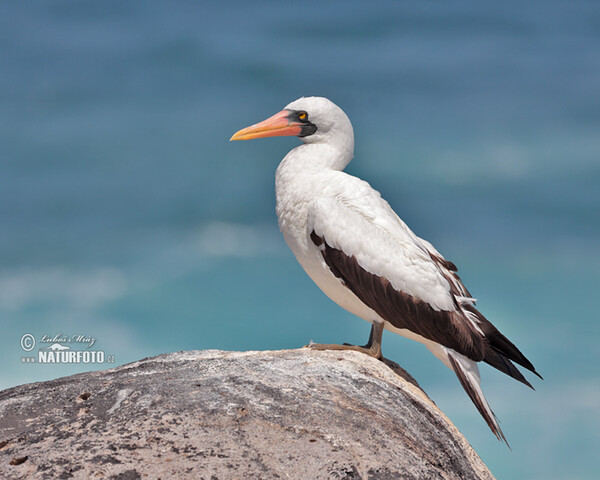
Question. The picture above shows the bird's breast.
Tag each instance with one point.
(293, 202)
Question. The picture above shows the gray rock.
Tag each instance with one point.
(291, 414)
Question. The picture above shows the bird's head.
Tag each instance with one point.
(312, 119)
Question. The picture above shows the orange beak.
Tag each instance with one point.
(276, 126)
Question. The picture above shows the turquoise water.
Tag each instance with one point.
(127, 215)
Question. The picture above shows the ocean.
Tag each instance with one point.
(126, 214)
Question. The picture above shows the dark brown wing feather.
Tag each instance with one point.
(448, 269)
(449, 328)
(500, 346)
(499, 350)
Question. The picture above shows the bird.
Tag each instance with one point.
(360, 253)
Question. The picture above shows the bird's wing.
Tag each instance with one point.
(409, 284)
(403, 277)
(447, 268)
(388, 268)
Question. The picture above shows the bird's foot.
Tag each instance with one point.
(373, 350)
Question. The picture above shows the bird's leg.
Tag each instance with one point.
(372, 348)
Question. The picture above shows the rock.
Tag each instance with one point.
(293, 414)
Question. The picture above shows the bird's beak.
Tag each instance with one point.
(276, 126)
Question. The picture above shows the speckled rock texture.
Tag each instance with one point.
(290, 414)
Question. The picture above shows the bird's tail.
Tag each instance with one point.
(468, 374)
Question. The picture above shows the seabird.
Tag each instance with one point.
(366, 259)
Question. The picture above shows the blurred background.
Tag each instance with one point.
(126, 214)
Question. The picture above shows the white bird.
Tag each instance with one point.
(366, 259)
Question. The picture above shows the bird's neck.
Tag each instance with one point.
(301, 176)
(318, 156)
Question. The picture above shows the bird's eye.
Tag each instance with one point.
(303, 116)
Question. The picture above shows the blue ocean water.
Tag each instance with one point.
(126, 214)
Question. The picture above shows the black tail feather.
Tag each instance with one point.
(478, 400)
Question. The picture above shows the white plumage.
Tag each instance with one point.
(366, 259)
(314, 194)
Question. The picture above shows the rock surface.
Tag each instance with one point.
(291, 414)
